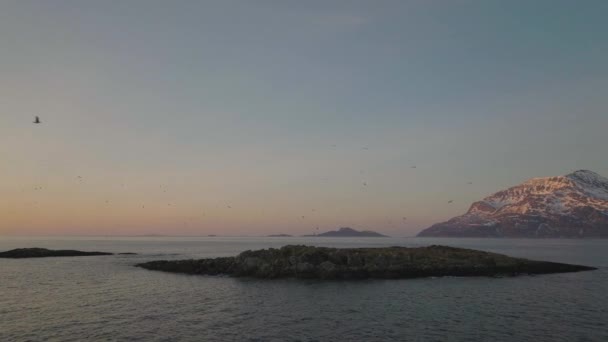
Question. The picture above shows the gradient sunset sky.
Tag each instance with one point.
(260, 117)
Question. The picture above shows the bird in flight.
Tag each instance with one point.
(37, 120)
(450, 201)
(413, 166)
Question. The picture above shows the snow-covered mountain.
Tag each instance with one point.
(574, 205)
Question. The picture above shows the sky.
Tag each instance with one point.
(260, 117)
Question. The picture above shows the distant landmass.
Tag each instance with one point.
(280, 235)
(349, 232)
(21, 253)
(574, 205)
(361, 263)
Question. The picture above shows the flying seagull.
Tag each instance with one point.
(37, 120)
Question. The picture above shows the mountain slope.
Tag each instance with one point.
(574, 205)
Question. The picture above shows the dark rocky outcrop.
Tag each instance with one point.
(361, 263)
(43, 253)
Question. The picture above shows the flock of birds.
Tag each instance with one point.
(80, 179)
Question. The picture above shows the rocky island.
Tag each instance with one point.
(21, 253)
(360, 263)
(348, 232)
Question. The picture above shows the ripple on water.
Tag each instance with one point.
(107, 299)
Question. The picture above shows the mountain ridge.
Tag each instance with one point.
(573, 205)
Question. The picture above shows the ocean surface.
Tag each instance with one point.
(105, 298)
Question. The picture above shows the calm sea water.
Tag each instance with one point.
(105, 298)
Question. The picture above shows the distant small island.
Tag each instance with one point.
(21, 253)
(279, 235)
(348, 232)
(361, 263)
